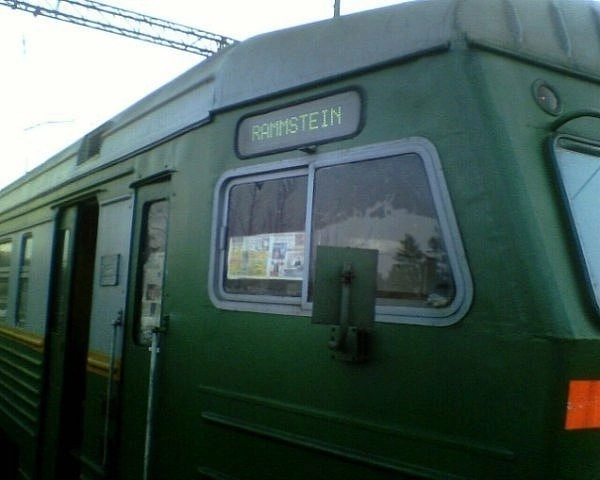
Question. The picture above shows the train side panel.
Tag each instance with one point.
(372, 260)
(255, 373)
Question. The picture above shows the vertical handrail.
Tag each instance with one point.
(109, 386)
(154, 350)
(344, 321)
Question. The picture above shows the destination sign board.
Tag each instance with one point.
(300, 125)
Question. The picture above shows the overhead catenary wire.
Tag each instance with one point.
(107, 18)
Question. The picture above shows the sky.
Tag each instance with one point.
(59, 81)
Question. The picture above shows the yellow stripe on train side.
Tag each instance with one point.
(99, 363)
(29, 339)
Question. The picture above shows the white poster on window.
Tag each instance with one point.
(268, 256)
(152, 290)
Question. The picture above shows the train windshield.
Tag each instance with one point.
(389, 198)
(579, 171)
(265, 248)
(386, 205)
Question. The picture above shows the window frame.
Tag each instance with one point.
(141, 330)
(309, 165)
(241, 180)
(23, 291)
(6, 273)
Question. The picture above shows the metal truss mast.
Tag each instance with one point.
(130, 24)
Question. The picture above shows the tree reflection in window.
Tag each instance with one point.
(387, 205)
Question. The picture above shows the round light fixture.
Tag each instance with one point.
(546, 97)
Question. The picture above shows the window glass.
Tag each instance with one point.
(27, 250)
(386, 205)
(5, 260)
(23, 292)
(580, 175)
(63, 268)
(5, 254)
(265, 237)
(154, 242)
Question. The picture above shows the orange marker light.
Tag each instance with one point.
(583, 406)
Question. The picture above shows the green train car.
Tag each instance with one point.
(365, 248)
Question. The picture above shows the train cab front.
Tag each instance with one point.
(575, 152)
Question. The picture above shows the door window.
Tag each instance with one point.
(154, 242)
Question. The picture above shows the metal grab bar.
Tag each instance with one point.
(118, 323)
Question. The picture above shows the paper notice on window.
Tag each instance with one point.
(151, 300)
(268, 256)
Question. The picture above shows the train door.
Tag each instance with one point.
(85, 338)
(148, 325)
(105, 343)
(67, 339)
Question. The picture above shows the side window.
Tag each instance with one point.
(389, 197)
(152, 266)
(386, 204)
(23, 288)
(265, 237)
(5, 261)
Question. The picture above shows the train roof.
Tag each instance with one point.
(562, 34)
